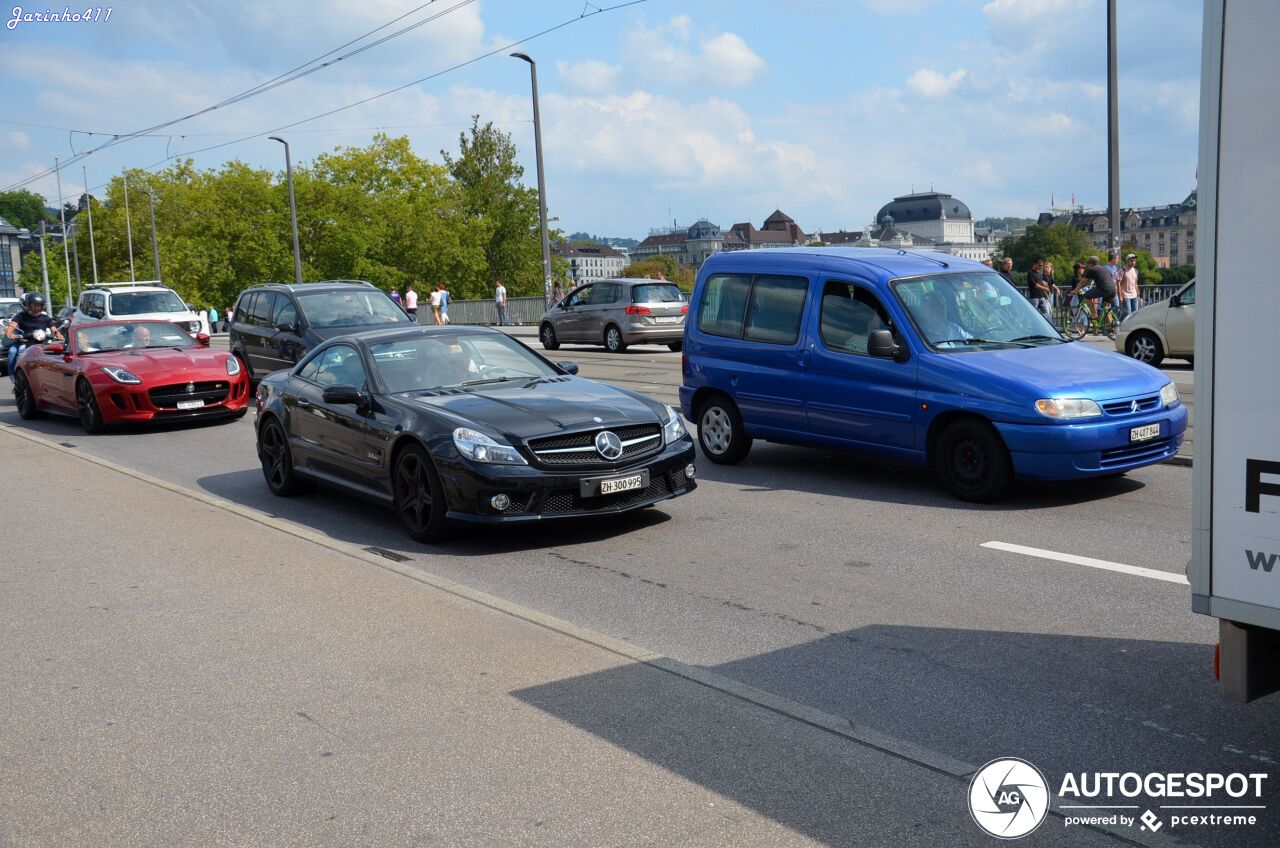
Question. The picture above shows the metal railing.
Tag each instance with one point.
(520, 310)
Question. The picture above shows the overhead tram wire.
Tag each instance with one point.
(261, 88)
(398, 88)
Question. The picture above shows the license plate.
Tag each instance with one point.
(668, 319)
(622, 484)
(190, 404)
(1142, 434)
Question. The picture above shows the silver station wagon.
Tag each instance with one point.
(617, 313)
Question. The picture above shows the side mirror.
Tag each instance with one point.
(1176, 300)
(55, 349)
(286, 327)
(203, 339)
(344, 394)
(881, 343)
(568, 366)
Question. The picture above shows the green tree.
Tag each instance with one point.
(31, 278)
(23, 208)
(1178, 275)
(501, 214)
(1061, 244)
(666, 265)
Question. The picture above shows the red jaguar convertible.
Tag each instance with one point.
(112, 372)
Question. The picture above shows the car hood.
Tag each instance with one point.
(1073, 369)
(168, 365)
(521, 411)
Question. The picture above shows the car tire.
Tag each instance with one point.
(721, 435)
(547, 334)
(676, 347)
(28, 409)
(1143, 346)
(277, 459)
(87, 406)
(613, 340)
(973, 462)
(419, 496)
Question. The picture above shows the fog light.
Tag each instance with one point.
(500, 502)
(689, 470)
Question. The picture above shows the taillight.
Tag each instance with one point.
(684, 310)
(638, 310)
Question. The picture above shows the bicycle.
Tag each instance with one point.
(1081, 321)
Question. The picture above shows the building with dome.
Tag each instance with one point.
(692, 245)
(932, 220)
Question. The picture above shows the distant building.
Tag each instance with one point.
(779, 230)
(690, 246)
(10, 257)
(1167, 232)
(590, 261)
(931, 220)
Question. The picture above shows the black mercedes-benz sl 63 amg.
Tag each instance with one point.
(455, 425)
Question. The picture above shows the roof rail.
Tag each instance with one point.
(107, 285)
(317, 283)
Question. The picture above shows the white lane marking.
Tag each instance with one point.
(1135, 570)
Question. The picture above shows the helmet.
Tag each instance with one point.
(31, 298)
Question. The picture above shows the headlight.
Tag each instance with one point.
(1169, 394)
(674, 428)
(121, 376)
(193, 326)
(1067, 408)
(233, 366)
(481, 448)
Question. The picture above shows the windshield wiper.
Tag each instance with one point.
(491, 380)
(982, 342)
(1039, 337)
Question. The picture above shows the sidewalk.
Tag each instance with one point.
(175, 674)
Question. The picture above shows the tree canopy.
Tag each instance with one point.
(23, 208)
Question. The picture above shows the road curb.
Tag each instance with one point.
(867, 737)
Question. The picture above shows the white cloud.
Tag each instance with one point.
(1038, 24)
(930, 83)
(17, 140)
(662, 54)
(590, 76)
(896, 7)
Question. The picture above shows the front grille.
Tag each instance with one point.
(1125, 407)
(167, 397)
(1155, 449)
(568, 500)
(578, 449)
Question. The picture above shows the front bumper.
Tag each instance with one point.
(1053, 451)
(537, 494)
(121, 403)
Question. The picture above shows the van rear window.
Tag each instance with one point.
(724, 303)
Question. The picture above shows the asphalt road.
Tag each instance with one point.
(852, 587)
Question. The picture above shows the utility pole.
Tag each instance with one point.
(1113, 131)
(293, 211)
(62, 212)
(128, 224)
(44, 272)
(155, 242)
(88, 204)
(542, 184)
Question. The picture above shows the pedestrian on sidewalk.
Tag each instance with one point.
(444, 303)
(557, 294)
(213, 319)
(411, 301)
(1006, 270)
(1128, 287)
(500, 301)
(395, 295)
(434, 300)
(1038, 291)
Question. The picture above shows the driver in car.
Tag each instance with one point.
(937, 324)
(141, 338)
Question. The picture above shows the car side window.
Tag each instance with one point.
(286, 312)
(244, 309)
(849, 314)
(580, 297)
(309, 369)
(1188, 296)
(340, 365)
(724, 303)
(262, 309)
(776, 308)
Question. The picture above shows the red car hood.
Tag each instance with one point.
(166, 365)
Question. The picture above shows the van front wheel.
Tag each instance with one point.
(973, 462)
(721, 435)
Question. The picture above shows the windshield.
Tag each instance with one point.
(442, 362)
(356, 308)
(656, 294)
(133, 335)
(973, 310)
(145, 302)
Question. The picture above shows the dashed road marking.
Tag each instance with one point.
(1119, 567)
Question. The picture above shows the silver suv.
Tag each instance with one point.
(617, 313)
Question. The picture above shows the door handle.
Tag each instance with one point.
(804, 357)
(303, 403)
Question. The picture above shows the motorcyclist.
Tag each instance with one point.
(30, 326)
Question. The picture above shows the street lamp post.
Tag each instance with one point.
(293, 211)
(88, 205)
(542, 184)
(44, 272)
(62, 214)
(1113, 131)
(155, 242)
(128, 224)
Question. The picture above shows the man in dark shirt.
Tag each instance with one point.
(1006, 270)
(1101, 283)
(1038, 290)
(31, 322)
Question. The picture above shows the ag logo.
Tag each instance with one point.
(1008, 798)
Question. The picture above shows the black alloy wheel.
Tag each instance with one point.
(87, 404)
(419, 497)
(548, 336)
(613, 340)
(26, 399)
(973, 462)
(676, 347)
(277, 460)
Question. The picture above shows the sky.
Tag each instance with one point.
(653, 113)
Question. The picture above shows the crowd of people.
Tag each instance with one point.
(1092, 280)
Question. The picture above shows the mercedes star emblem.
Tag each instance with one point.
(608, 445)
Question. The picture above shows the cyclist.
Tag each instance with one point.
(26, 325)
(1098, 278)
